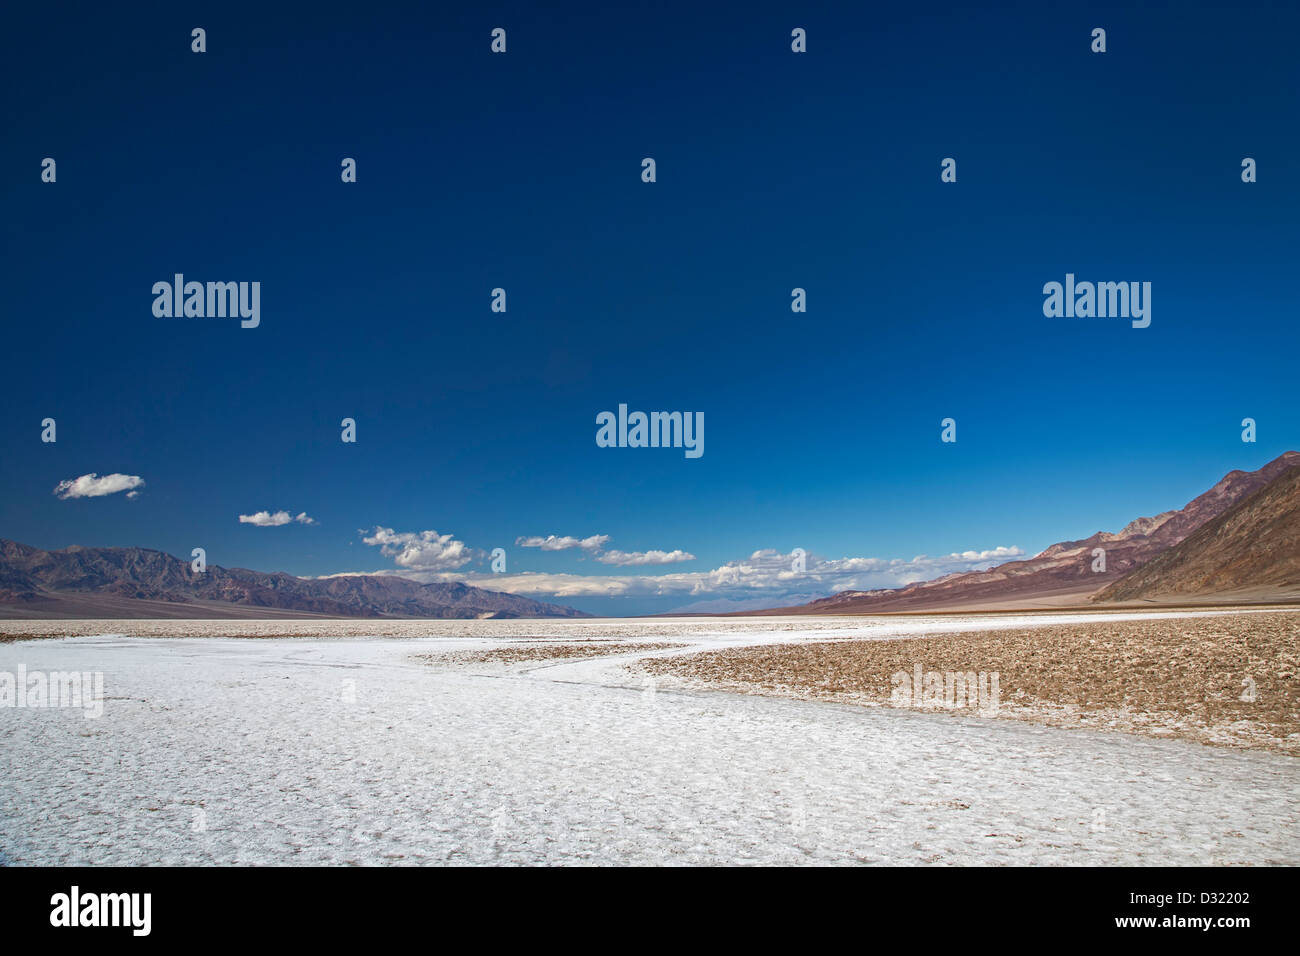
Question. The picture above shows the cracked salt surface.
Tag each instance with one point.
(274, 751)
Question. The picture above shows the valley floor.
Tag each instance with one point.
(480, 742)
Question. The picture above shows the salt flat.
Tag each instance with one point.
(353, 750)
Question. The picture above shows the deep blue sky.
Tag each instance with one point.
(522, 170)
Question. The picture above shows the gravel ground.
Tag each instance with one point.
(1230, 680)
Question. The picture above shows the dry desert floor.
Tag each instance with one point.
(1118, 738)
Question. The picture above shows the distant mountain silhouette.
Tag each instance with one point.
(1061, 575)
(138, 582)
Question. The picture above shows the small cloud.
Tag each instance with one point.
(92, 486)
(562, 543)
(265, 519)
(628, 559)
(420, 550)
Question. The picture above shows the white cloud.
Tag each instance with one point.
(766, 572)
(559, 585)
(422, 550)
(265, 519)
(625, 559)
(595, 545)
(562, 543)
(92, 486)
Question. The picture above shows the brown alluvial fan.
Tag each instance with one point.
(1253, 546)
(1062, 575)
(79, 582)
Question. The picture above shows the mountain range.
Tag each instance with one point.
(79, 582)
(1240, 537)
(1250, 551)
(1239, 542)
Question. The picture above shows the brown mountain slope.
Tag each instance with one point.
(1062, 574)
(1252, 547)
(139, 582)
